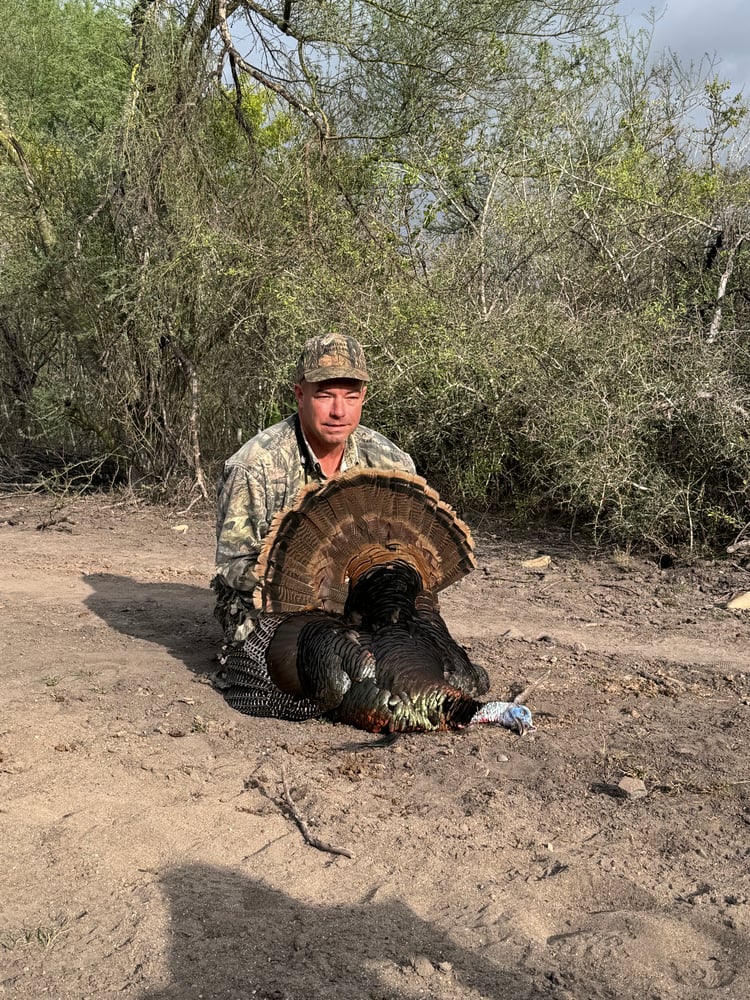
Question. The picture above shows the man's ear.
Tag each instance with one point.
(298, 392)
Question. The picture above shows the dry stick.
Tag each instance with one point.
(190, 506)
(662, 680)
(52, 521)
(523, 695)
(713, 332)
(309, 838)
(619, 586)
(189, 367)
(254, 782)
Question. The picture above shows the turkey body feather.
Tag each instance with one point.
(349, 583)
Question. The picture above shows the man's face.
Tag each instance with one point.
(329, 411)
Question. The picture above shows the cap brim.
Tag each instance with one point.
(335, 371)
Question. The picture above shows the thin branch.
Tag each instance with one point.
(92, 215)
(637, 200)
(309, 838)
(521, 697)
(194, 418)
(321, 126)
(190, 506)
(254, 782)
(13, 146)
(239, 113)
(713, 332)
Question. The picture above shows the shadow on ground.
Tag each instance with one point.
(177, 616)
(233, 936)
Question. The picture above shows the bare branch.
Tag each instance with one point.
(713, 332)
(319, 121)
(16, 151)
(194, 418)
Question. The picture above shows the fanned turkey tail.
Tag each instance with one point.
(362, 518)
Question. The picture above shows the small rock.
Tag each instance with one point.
(739, 603)
(422, 966)
(632, 788)
(541, 562)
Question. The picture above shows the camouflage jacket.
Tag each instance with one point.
(259, 480)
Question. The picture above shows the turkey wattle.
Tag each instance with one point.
(351, 628)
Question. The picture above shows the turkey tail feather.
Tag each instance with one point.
(362, 518)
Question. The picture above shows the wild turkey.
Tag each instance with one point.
(351, 628)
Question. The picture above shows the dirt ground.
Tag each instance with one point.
(148, 850)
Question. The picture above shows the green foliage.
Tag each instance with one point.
(640, 434)
(543, 249)
(64, 68)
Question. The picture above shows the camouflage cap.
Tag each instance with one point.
(331, 356)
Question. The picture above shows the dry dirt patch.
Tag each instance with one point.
(148, 851)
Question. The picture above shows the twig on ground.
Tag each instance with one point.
(309, 838)
(254, 782)
(619, 586)
(521, 697)
(52, 522)
(661, 680)
(190, 506)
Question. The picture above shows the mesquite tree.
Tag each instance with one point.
(514, 207)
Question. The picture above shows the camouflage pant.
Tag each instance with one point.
(235, 614)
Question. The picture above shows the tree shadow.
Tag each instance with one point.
(234, 936)
(178, 616)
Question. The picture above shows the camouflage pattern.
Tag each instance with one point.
(260, 479)
(331, 356)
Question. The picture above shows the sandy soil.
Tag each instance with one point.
(148, 851)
